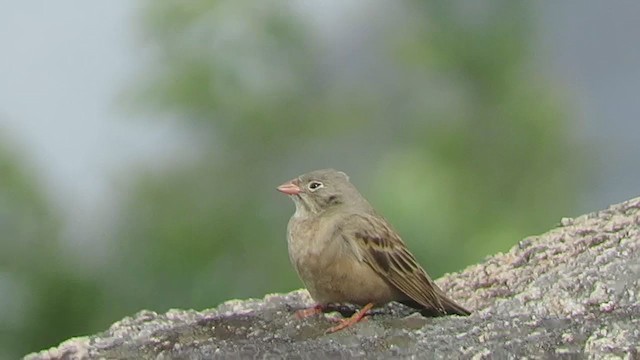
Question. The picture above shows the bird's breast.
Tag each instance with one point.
(310, 244)
(329, 269)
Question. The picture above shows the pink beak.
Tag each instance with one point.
(289, 188)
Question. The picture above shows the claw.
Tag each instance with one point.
(305, 313)
(354, 319)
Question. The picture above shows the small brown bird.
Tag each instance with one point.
(345, 252)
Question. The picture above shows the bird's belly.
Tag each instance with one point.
(338, 277)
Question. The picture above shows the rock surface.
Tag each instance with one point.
(570, 293)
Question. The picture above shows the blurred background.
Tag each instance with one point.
(141, 141)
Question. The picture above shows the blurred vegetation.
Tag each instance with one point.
(433, 108)
(42, 298)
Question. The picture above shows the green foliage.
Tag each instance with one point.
(28, 237)
(439, 118)
(432, 107)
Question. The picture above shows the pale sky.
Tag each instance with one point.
(63, 64)
(62, 68)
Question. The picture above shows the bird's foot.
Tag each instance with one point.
(314, 310)
(354, 319)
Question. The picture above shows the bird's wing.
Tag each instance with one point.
(382, 249)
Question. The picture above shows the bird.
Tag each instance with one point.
(345, 252)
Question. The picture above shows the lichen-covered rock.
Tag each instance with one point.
(572, 292)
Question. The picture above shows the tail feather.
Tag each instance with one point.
(450, 308)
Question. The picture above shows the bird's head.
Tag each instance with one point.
(318, 191)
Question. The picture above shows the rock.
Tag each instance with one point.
(572, 292)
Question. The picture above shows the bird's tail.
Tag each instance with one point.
(452, 308)
(449, 307)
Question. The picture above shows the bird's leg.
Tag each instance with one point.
(310, 311)
(355, 318)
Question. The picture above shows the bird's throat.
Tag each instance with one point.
(305, 207)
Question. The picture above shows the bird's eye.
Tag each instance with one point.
(314, 185)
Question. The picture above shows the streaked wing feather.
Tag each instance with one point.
(387, 254)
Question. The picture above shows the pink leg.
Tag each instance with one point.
(354, 319)
(305, 313)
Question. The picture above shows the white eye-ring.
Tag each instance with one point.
(315, 185)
